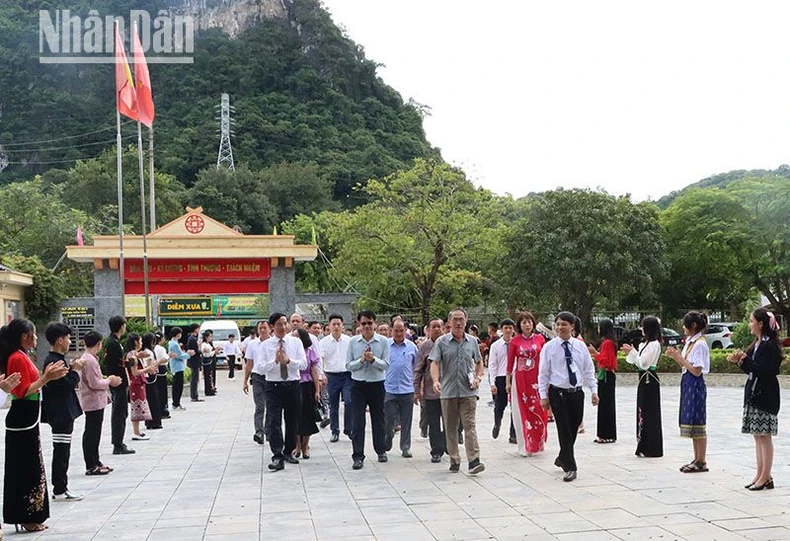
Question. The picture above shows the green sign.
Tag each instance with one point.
(186, 306)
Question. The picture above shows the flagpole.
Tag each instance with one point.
(151, 176)
(120, 214)
(142, 219)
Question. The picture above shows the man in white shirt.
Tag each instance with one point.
(281, 358)
(497, 371)
(253, 374)
(334, 349)
(231, 351)
(565, 364)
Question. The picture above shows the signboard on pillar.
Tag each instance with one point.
(190, 277)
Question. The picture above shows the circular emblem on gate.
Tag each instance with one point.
(194, 224)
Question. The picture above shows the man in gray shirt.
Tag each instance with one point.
(457, 370)
(367, 360)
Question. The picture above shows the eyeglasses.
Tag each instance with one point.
(365, 323)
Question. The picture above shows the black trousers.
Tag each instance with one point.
(152, 396)
(283, 401)
(178, 388)
(500, 399)
(433, 417)
(120, 411)
(568, 409)
(91, 438)
(61, 453)
(231, 366)
(370, 395)
(161, 389)
(208, 375)
(194, 377)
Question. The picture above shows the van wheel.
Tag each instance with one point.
(716, 345)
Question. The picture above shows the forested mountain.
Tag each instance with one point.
(722, 180)
(302, 92)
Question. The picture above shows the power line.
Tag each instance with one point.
(62, 138)
(47, 149)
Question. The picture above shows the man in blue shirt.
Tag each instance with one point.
(367, 360)
(399, 387)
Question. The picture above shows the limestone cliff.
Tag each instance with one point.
(232, 16)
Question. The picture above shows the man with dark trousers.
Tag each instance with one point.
(565, 365)
(59, 407)
(281, 359)
(423, 390)
(368, 359)
(116, 366)
(194, 363)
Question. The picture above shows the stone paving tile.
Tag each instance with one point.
(203, 477)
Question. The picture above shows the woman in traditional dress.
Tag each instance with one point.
(25, 496)
(138, 367)
(523, 357)
(649, 434)
(311, 394)
(607, 365)
(761, 393)
(151, 391)
(695, 361)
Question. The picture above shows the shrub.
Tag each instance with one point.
(187, 375)
(718, 363)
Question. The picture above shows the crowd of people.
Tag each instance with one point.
(300, 371)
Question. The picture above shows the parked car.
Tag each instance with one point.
(221, 329)
(719, 335)
(635, 337)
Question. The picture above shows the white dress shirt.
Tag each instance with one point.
(699, 356)
(265, 355)
(645, 356)
(497, 360)
(160, 353)
(554, 370)
(333, 353)
(231, 348)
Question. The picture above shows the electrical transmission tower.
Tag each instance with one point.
(225, 155)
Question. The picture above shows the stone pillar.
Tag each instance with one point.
(107, 293)
(282, 290)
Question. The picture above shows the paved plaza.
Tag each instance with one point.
(203, 477)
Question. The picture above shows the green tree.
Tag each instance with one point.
(42, 298)
(297, 188)
(402, 250)
(577, 249)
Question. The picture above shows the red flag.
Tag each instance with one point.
(80, 241)
(143, 83)
(125, 94)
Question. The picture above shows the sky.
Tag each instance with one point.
(634, 97)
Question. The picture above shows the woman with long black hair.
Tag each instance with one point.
(761, 392)
(607, 365)
(649, 434)
(311, 394)
(25, 496)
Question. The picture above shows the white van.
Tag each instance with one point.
(221, 329)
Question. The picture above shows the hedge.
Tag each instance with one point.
(718, 363)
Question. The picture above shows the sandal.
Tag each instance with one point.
(695, 467)
(98, 470)
(603, 440)
(31, 527)
(297, 454)
(306, 454)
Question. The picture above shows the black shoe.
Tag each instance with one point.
(455, 467)
(476, 466)
(569, 476)
(258, 438)
(277, 465)
(435, 459)
(383, 457)
(122, 450)
(558, 462)
(325, 423)
(495, 432)
(290, 459)
(358, 463)
(198, 400)
(460, 439)
(512, 439)
(166, 415)
(334, 438)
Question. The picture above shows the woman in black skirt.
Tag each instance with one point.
(649, 434)
(25, 498)
(151, 390)
(607, 365)
(761, 393)
(311, 394)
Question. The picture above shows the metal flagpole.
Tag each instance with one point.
(151, 176)
(120, 214)
(142, 219)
